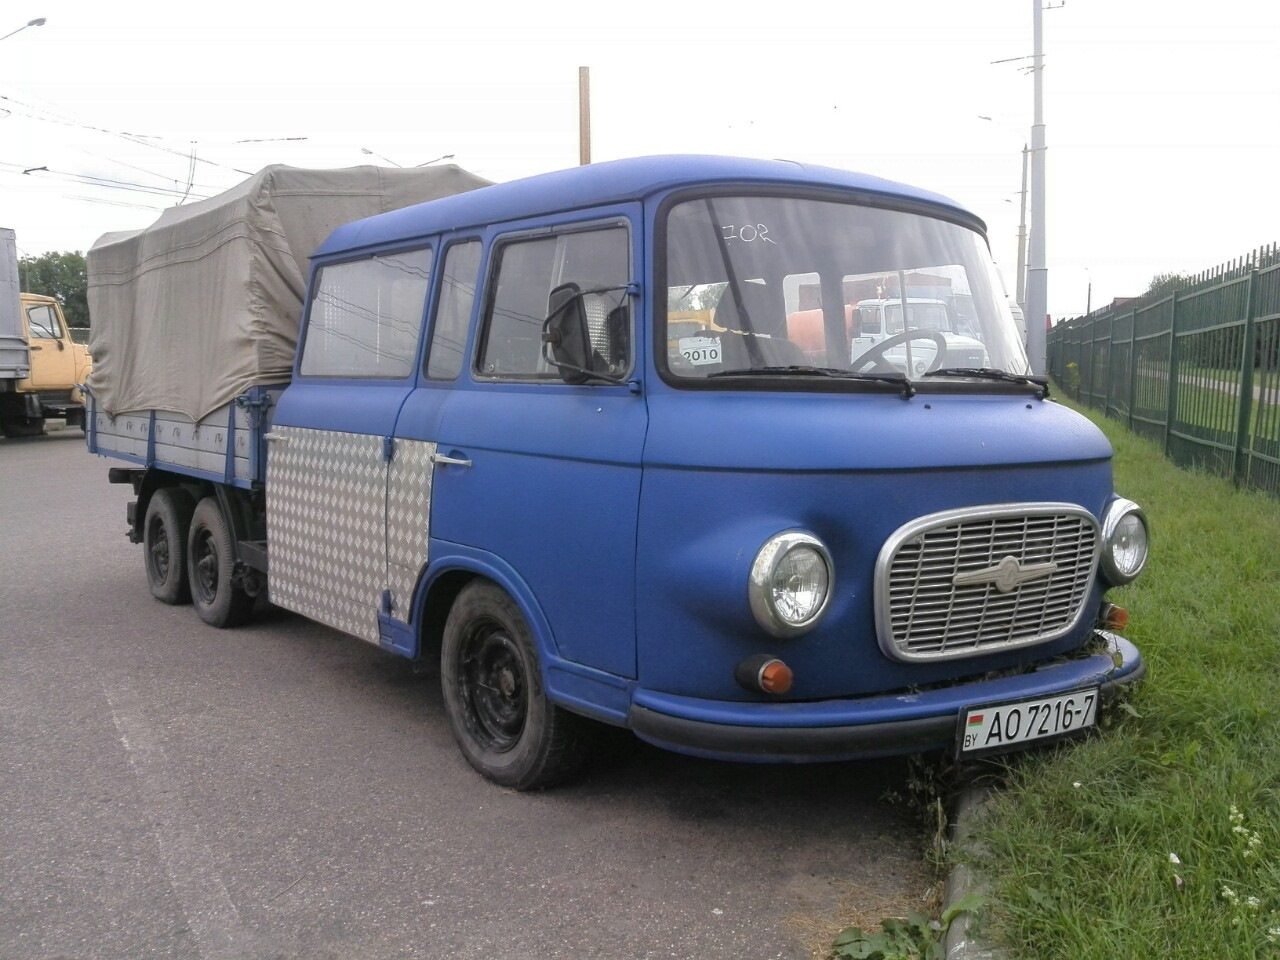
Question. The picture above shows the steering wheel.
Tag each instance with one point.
(874, 358)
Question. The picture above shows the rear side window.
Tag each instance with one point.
(598, 261)
(457, 295)
(366, 316)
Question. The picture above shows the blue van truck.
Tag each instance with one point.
(581, 439)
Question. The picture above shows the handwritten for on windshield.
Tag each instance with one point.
(748, 233)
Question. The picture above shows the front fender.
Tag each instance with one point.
(585, 690)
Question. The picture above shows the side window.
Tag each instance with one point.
(598, 261)
(365, 317)
(457, 294)
(43, 322)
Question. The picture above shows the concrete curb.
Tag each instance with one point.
(960, 942)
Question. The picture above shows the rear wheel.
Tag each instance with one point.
(164, 544)
(498, 710)
(15, 427)
(210, 564)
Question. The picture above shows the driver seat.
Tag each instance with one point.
(749, 310)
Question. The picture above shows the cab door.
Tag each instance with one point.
(53, 364)
(332, 445)
(540, 472)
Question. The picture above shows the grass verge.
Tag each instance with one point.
(1161, 838)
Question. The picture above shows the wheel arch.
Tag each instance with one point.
(247, 522)
(153, 480)
(450, 570)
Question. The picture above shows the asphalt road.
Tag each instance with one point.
(283, 791)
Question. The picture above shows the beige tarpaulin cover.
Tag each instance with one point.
(204, 303)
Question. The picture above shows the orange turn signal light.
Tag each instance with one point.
(776, 677)
(1114, 617)
(764, 673)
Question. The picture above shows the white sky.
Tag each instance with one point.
(1162, 118)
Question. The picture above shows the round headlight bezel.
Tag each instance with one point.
(1119, 510)
(760, 592)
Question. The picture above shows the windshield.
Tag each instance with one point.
(920, 316)
(784, 283)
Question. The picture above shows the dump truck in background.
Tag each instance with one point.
(41, 367)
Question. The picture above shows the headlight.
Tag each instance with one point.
(790, 583)
(1124, 542)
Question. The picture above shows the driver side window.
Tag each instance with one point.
(43, 323)
(527, 272)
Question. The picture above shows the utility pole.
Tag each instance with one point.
(1022, 238)
(584, 115)
(1037, 270)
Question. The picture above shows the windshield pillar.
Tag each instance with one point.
(833, 323)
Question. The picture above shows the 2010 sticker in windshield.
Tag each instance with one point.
(701, 351)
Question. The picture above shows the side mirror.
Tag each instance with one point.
(565, 337)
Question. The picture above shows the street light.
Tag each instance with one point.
(368, 152)
(37, 22)
(447, 156)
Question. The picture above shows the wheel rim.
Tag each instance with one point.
(158, 550)
(204, 557)
(494, 687)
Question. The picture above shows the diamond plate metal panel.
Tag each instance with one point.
(326, 511)
(408, 520)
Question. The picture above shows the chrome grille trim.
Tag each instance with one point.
(921, 615)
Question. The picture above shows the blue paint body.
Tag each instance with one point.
(623, 519)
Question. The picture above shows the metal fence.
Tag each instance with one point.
(1196, 368)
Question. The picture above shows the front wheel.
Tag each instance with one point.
(497, 708)
(210, 564)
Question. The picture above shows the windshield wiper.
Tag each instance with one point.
(837, 373)
(987, 373)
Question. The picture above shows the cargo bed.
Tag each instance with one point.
(226, 446)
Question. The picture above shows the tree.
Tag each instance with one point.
(62, 276)
(1166, 283)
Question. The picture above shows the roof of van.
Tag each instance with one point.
(613, 181)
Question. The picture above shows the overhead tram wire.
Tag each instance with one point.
(134, 138)
(18, 169)
(150, 173)
(110, 203)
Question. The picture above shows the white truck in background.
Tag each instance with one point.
(880, 320)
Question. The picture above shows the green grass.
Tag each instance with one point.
(1078, 846)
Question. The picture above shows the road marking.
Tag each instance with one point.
(212, 917)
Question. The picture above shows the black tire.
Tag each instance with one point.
(493, 694)
(164, 544)
(210, 562)
(17, 427)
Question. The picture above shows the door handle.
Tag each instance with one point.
(441, 459)
(36, 348)
(280, 437)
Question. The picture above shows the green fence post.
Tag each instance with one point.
(1172, 392)
(1133, 364)
(1088, 391)
(1240, 459)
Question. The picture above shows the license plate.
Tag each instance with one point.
(1007, 725)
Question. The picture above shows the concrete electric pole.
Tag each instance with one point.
(1037, 271)
(1022, 237)
(584, 115)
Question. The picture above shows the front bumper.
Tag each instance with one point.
(867, 726)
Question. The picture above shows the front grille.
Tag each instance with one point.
(922, 613)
